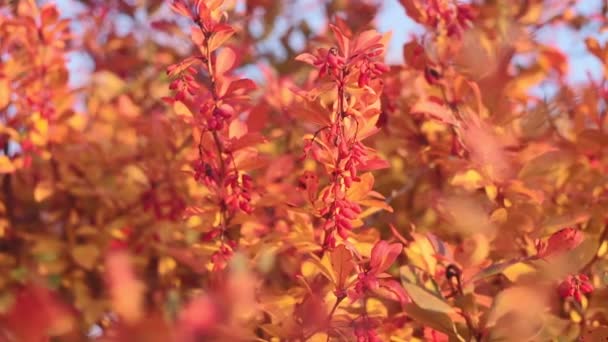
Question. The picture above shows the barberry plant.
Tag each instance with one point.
(217, 170)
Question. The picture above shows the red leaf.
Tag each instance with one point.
(563, 240)
(307, 58)
(383, 256)
(396, 289)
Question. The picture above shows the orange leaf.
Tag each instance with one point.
(221, 33)
(342, 263)
(435, 110)
(6, 165)
(311, 111)
(5, 92)
(225, 61)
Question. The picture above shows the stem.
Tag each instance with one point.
(336, 180)
(224, 218)
(331, 314)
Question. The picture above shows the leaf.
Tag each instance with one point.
(470, 180)
(136, 174)
(310, 111)
(434, 110)
(393, 290)
(321, 265)
(509, 319)
(533, 12)
(342, 264)
(107, 85)
(237, 129)
(425, 300)
(343, 41)
(221, 33)
(374, 163)
(492, 270)
(126, 291)
(43, 190)
(383, 256)
(437, 320)
(36, 314)
(182, 110)
(6, 165)
(247, 140)
(306, 58)
(414, 55)
(421, 253)
(517, 270)
(238, 88)
(360, 190)
(553, 59)
(414, 10)
(549, 166)
(5, 93)
(225, 61)
(365, 40)
(86, 256)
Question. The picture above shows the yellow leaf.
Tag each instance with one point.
(42, 191)
(603, 249)
(107, 85)
(6, 165)
(517, 270)
(86, 256)
(225, 60)
(360, 190)
(136, 175)
(237, 129)
(519, 86)
(470, 180)
(77, 122)
(491, 191)
(181, 109)
(40, 130)
(421, 253)
(166, 265)
(533, 12)
(318, 337)
(376, 308)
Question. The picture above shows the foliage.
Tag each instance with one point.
(171, 198)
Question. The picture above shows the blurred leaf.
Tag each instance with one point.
(42, 191)
(6, 166)
(5, 92)
(86, 256)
